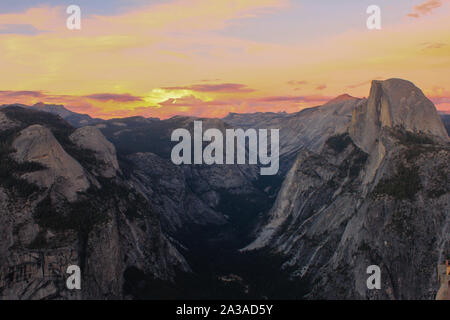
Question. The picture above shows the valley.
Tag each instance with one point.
(361, 182)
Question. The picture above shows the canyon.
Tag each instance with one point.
(360, 182)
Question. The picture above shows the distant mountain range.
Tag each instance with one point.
(362, 181)
(238, 119)
(75, 119)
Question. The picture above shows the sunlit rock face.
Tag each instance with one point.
(362, 182)
(92, 139)
(37, 144)
(395, 103)
(63, 203)
(376, 195)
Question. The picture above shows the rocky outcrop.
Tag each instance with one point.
(395, 103)
(307, 129)
(92, 139)
(366, 182)
(189, 195)
(37, 144)
(55, 211)
(6, 123)
(166, 186)
(378, 195)
(201, 194)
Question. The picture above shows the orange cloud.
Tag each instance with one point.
(297, 82)
(114, 97)
(295, 99)
(132, 62)
(435, 45)
(112, 105)
(321, 87)
(21, 94)
(222, 87)
(425, 8)
(43, 18)
(191, 14)
(440, 97)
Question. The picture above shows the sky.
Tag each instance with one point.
(160, 58)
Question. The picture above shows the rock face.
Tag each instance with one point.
(395, 103)
(185, 196)
(92, 139)
(377, 195)
(364, 182)
(37, 144)
(167, 187)
(6, 123)
(56, 211)
(307, 129)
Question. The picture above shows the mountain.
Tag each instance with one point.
(75, 119)
(376, 194)
(309, 128)
(361, 182)
(185, 196)
(64, 201)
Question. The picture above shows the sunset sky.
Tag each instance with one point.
(160, 58)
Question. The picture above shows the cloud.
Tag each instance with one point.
(40, 18)
(440, 100)
(26, 29)
(19, 94)
(184, 101)
(440, 97)
(295, 99)
(425, 8)
(110, 105)
(299, 83)
(433, 45)
(210, 80)
(80, 104)
(114, 97)
(127, 51)
(363, 83)
(360, 84)
(222, 88)
(321, 87)
(296, 83)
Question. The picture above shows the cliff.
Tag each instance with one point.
(376, 195)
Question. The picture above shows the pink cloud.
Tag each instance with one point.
(425, 8)
(114, 97)
(297, 82)
(222, 87)
(434, 45)
(186, 101)
(321, 87)
(74, 103)
(18, 94)
(440, 97)
(294, 99)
